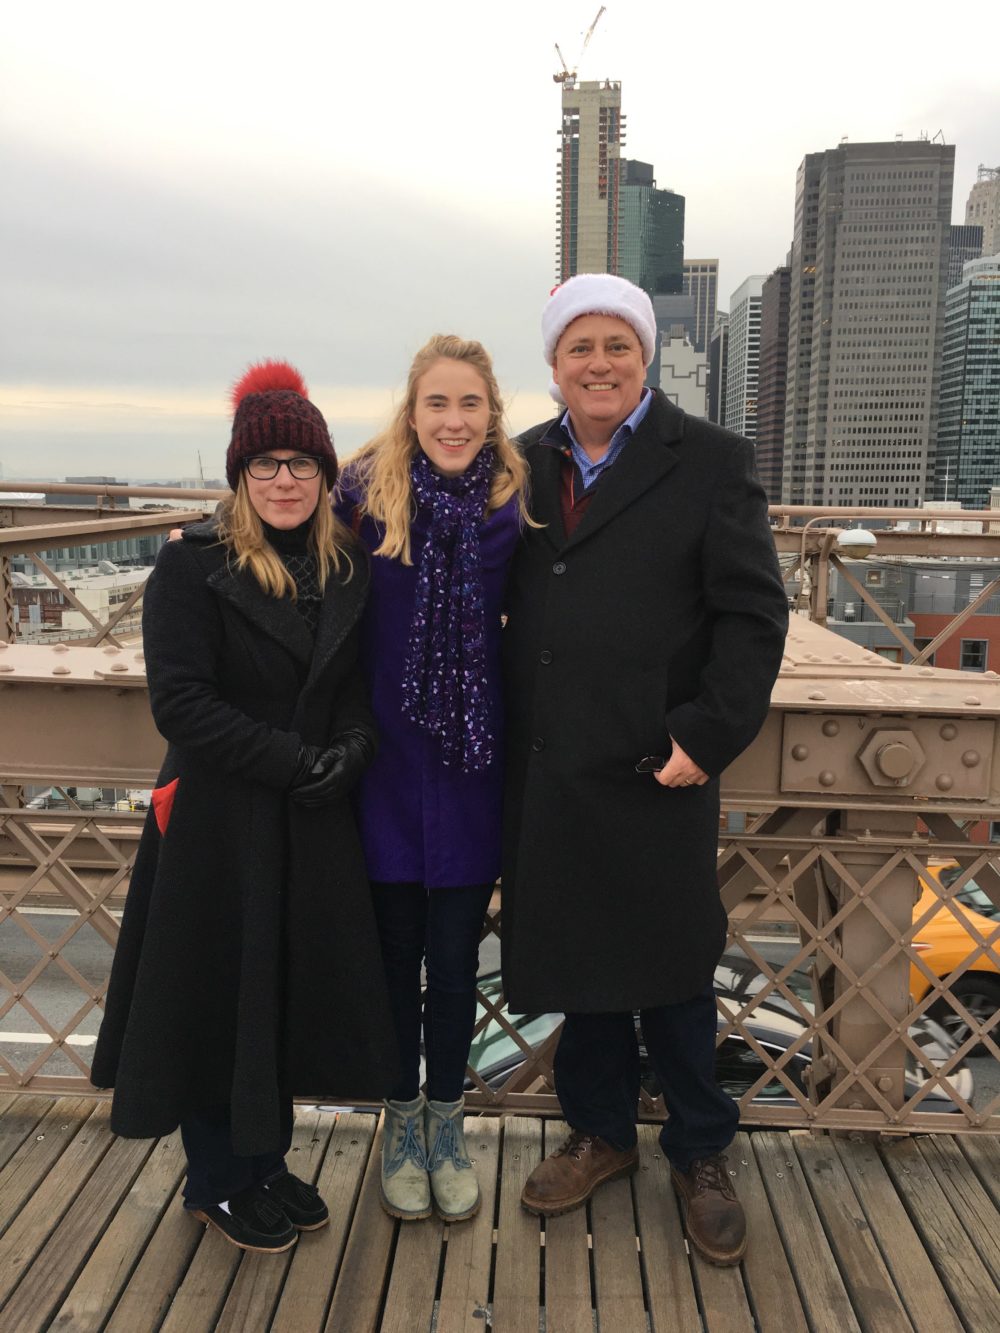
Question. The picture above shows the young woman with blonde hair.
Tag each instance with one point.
(248, 968)
(438, 498)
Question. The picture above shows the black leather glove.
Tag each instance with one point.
(335, 771)
(309, 764)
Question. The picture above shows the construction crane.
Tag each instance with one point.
(569, 75)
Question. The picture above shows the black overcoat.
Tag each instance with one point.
(248, 967)
(663, 615)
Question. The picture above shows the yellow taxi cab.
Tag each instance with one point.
(945, 941)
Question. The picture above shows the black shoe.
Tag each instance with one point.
(251, 1220)
(299, 1201)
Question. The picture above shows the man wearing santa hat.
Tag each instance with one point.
(646, 619)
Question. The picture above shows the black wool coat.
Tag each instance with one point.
(663, 615)
(248, 967)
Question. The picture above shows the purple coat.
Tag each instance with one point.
(420, 821)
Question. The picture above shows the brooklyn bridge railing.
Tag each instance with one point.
(860, 988)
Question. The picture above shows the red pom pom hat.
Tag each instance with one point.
(273, 411)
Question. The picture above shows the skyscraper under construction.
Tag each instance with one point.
(587, 190)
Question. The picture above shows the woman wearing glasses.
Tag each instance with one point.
(248, 968)
(438, 498)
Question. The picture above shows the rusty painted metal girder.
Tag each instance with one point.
(76, 714)
(29, 515)
(926, 515)
(92, 532)
(891, 544)
(187, 493)
(847, 726)
(7, 624)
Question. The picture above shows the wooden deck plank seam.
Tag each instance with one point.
(320, 1265)
(930, 1232)
(492, 1192)
(832, 1240)
(439, 1280)
(338, 1268)
(367, 1219)
(31, 1111)
(643, 1275)
(123, 1273)
(977, 1151)
(188, 1265)
(824, 1202)
(54, 1114)
(176, 1317)
(975, 1163)
(184, 1268)
(554, 1133)
(767, 1145)
(54, 1219)
(330, 1124)
(66, 1277)
(157, 1249)
(397, 1227)
(944, 1157)
(98, 1237)
(494, 1232)
(125, 1286)
(783, 1240)
(644, 1278)
(309, 1130)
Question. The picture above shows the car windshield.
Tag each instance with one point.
(970, 894)
(739, 976)
(494, 1044)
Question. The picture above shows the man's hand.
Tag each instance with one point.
(679, 770)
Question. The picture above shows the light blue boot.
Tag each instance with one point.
(405, 1190)
(453, 1179)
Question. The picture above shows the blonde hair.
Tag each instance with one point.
(382, 467)
(240, 528)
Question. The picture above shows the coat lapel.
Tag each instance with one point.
(275, 616)
(546, 481)
(341, 611)
(646, 459)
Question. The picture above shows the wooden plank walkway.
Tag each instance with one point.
(844, 1236)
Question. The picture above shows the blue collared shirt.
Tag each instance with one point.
(589, 470)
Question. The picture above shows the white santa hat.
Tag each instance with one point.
(598, 294)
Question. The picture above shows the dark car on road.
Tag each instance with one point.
(774, 1024)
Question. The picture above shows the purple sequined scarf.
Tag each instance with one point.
(444, 676)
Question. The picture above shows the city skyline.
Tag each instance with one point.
(170, 215)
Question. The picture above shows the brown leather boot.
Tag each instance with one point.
(713, 1216)
(568, 1177)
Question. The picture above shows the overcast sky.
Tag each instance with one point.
(187, 187)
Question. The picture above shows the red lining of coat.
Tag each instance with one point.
(163, 804)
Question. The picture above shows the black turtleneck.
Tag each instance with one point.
(292, 545)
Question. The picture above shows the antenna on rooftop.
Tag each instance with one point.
(569, 75)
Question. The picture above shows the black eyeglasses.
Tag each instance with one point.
(264, 468)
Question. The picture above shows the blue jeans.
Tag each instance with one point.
(596, 1070)
(441, 928)
(214, 1172)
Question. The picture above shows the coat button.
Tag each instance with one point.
(559, 567)
(545, 657)
(537, 744)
